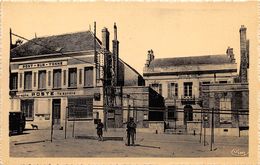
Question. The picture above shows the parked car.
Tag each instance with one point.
(16, 122)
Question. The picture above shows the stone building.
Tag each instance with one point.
(65, 74)
(230, 102)
(180, 81)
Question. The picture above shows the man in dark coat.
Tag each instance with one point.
(100, 130)
(131, 131)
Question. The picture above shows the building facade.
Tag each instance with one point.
(65, 77)
(180, 80)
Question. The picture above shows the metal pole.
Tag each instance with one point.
(201, 125)
(204, 133)
(66, 113)
(73, 127)
(52, 125)
(128, 107)
(211, 139)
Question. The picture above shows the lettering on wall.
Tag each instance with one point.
(41, 65)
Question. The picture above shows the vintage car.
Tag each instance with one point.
(16, 122)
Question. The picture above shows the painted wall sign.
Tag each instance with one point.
(48, 93)
(41, 65)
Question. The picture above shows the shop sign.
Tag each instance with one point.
(43, 64)
(47, 93)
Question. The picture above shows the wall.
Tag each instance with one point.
(238, 93)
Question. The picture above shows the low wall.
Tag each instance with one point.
(193, 127)
(156, 126)
(224, 131)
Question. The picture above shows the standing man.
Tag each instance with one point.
(100, 130)
(131, 131)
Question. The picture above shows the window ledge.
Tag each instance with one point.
(41, 89)
(57, 88)
(88, 87)
(27, 90)
(72, 87)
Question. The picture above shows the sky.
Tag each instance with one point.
(169, 29)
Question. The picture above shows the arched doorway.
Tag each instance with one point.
(188, 113)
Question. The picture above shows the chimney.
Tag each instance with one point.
(244, 56)
(105, 38)
(242, 39)
(230, 54)
(150, 58)
(115, 54)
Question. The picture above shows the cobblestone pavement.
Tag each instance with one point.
(36, 143)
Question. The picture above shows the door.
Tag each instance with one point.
(188, 113)
(56, 111)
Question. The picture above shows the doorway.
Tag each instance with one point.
(188, 113)
(56, 111)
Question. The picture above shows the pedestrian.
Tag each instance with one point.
(131, 131)
(100, 130)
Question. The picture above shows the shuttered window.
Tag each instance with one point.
(80, 76)
(80, 108)
(88, 76)
(57, 78)
(27, 108)
(34, 78)
(188, 89)
(21, 80)
(42, 80)
(64, 77)
(27, 80)
(72, 77)
(49, 78)
(13, 81)
(225, 110)
(172, 90)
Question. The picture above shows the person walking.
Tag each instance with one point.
(131, 131)
(100, 130)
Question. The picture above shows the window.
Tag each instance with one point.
(172, 90)
(57, 78)
(225, 110)
(157, 88)
(72, 77)
(13, 81)
(188, 89)
(27, 80)
(27, 109)
(80, 108)
(42, 79)
(88, 77)
(172, 112)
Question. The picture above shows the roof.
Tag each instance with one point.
(130, 67)
(73, 42)
(196, 60)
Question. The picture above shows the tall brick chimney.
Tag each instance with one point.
(115, 56)
(244, 55)
(230, 54)
(105, 38)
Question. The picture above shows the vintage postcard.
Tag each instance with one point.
(129, 83)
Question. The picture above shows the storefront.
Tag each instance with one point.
(41, 106)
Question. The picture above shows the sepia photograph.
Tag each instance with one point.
(123, 82)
